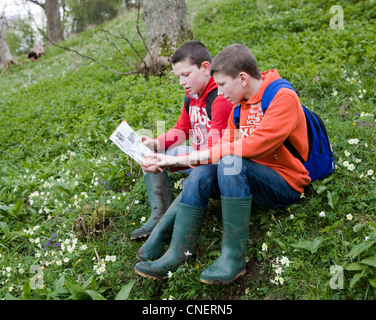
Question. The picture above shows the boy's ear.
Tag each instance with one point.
(206, 66)
(244, 79)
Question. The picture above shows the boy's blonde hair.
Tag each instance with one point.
(234, 59)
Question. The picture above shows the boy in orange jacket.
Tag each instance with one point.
(253, 166)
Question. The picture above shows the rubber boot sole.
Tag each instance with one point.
(241, 273)
(149, 276)
(142, 236)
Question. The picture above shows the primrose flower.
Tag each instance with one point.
(101, 270)
(351, 167)
(187, 253)
(178, 184)
(110, 258)
(353, 141)
(285, 261)
(278, 270)
(277, 280)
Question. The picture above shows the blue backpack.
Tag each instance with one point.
(320, 162)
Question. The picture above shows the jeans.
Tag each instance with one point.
(238, 177)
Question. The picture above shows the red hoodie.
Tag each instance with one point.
(206, 132)
(260, 137)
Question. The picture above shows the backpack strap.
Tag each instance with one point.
(209, 101)
(237, 115)
(269, 94)
(267, 98)
(187, 101)
(271, 90)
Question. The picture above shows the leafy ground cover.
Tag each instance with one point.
(69, 198)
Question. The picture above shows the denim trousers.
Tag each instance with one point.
(238, 177)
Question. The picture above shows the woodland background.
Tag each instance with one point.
(69, 198)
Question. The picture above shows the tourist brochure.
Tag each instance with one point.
(130, 142)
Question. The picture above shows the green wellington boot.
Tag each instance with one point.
(161, 235)
(230, 265)
(187, 228)
(159, 195)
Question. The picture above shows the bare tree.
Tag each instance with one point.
(6, 57)
(52, 11)
(167, 26)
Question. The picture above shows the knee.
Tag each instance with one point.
(230, 166)
(231, 178)
(196, 179)
(199, 178)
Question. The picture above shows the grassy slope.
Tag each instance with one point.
(66, 103)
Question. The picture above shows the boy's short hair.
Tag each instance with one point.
(194, 51)
(234, 59)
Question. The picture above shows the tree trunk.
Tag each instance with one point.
(54, 30)
(6, 57)
(52, 10)
(167, 27)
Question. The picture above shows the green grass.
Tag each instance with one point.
(58, 167)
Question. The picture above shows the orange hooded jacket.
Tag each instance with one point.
(260, 137)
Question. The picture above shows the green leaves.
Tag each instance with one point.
(360, 248)
(371, 261)
(334, 226)
(14, 210)
(10, 221)
(125, 291)
(312, 246)
(67, 289)
(332, 198)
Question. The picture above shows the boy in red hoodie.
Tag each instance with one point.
(191, 64)
(253, 166)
